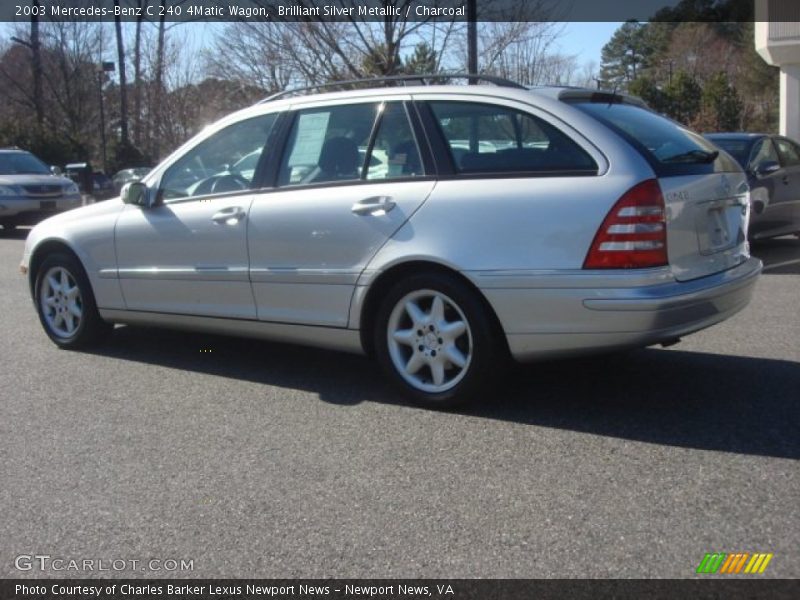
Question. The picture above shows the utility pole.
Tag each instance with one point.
(472, 39)
(102, 69)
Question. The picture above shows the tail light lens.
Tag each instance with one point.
(634, 233)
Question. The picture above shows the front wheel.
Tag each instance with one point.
(66, 305)
(434, 338)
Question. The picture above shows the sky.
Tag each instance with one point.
(584, 40)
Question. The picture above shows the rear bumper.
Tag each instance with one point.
(548, 322)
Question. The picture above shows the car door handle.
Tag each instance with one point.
(229, 216)
(785, 180)
(375, 206)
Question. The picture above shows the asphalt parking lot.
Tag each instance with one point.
(255, 459)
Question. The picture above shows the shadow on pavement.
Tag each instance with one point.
(781, 256)
(688, 399)
(14, 234)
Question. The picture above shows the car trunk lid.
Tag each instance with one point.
(707, 217)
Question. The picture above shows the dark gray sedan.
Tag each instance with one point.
(772, 164)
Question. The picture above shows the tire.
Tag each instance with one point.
(434, 339)
(65, 303)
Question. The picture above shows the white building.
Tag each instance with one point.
(778, 42)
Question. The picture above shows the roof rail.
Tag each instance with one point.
(423, 79)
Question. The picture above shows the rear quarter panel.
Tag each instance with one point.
(484, 223)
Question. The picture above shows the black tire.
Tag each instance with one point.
(88, 328)
(480, 345)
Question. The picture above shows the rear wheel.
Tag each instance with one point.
(435, 340)
(66, 305)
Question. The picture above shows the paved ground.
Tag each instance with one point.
(266, 460)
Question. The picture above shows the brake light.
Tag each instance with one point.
(634, 233)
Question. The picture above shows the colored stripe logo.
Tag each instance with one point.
(734, 563)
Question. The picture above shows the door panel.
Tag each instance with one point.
(772, 195)
(309, 246)
(790, 182)
(186, 257)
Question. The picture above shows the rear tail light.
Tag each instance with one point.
(634, 233)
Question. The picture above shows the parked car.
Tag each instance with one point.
(82, 174)
(592, 224)
(772, 164)
(30, 191)
(102, 186)
(128, 176)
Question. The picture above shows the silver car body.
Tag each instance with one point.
(298, 265)
(30, 197)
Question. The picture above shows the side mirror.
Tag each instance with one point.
(766, 167)
(136, 193)
(56, 170)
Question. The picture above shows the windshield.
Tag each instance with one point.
(669, 147)
(19, 163)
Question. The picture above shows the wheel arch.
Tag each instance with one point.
(42, 251)
(378, 289)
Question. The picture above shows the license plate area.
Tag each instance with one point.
(720, 225)
(47, 204)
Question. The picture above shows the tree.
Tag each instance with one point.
(683, 98)
(423, 60)
(123, 81)
(625, 55)
(646, 88)
(721, 104)
(522, 51)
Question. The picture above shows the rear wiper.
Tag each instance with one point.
(698, 156)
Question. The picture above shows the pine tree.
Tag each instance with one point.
(625, 55)
(645, 88)
(722, 103)
(684, 98)
(424, 60)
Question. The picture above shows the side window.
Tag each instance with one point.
(790, 156)
(394, 151)
(225, 162)
(765, 150)
(328, 144)
(485, 138)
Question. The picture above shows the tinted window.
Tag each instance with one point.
(790, 154)
(485, 138)
(211, 167)
(18, 163)
(328, 144)
(394, 151)
(764, 151)
(670, 148)
(738, 149)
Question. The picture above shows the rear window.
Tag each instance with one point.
(670, 148)
(486, 138)
(738, 149)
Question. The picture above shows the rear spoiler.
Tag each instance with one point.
(600, 97)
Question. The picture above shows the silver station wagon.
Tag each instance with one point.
(438, 228)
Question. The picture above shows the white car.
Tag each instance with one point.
(507, 221)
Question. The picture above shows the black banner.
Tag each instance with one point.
(351, 10)
(410, 589)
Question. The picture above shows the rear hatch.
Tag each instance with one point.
(705, 192)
